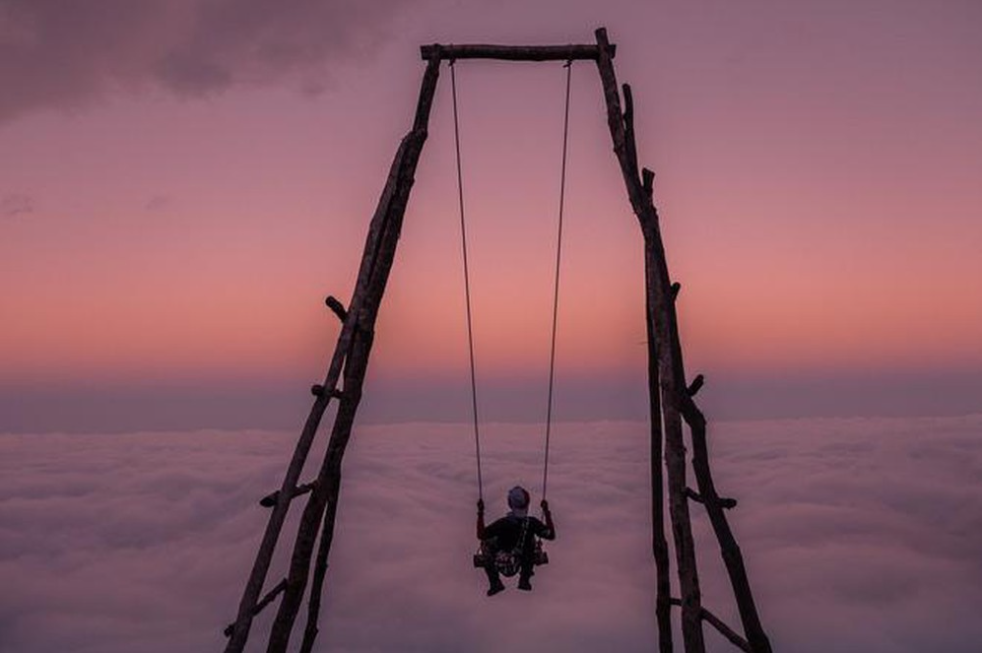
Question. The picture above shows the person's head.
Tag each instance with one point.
(518, 500)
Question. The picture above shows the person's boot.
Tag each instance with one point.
(495, 588)
(524, 584)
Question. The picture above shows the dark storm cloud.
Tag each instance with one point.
(860, 535)
(62, 53)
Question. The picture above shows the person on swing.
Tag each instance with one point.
(515, 532)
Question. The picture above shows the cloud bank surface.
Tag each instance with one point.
(860, 535)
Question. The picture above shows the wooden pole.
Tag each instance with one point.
(515, 52)
(676, 400)
(327, 535)
(723, 629)
(661, 317)
(323, 499)
(729, 549)
(384, 213)
(253, 589)
(659, 544)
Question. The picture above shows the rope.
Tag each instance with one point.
(467, 285)
(467, 282)
(555, 294)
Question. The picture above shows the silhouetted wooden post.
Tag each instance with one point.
(659, 545)
(730, 551)
(327, 491)
(328, 484)
(676, 397)
(351, 353)
(660, 304)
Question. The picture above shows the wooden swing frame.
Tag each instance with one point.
(671, 399)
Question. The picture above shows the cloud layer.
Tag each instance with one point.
(58, 54)
(860, 535)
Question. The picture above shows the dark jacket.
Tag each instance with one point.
(508, 530)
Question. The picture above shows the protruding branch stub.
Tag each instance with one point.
(726, 503)
(270, 499)
(319, 390)
(266, 600)
(648, 182)
(336, 307)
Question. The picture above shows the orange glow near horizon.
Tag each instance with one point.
(827, 225)
(218, 325)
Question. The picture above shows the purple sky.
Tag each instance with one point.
(183, 182)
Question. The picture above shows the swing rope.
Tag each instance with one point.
(555, 292)
(467, 281)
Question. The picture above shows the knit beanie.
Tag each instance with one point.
(518, 500)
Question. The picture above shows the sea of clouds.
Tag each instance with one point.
(860, 535)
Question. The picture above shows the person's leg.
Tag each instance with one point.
(524, 580)
(494, 580)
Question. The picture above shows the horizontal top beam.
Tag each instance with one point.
(513, 52)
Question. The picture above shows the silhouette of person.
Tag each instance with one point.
(514, 535)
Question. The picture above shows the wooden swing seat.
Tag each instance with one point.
(507, 562)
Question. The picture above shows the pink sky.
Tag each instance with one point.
(182, 183)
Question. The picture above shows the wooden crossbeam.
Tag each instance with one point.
(271, 499)
(513, 52)
(724, 502)
(259, 607)
(735, 638)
